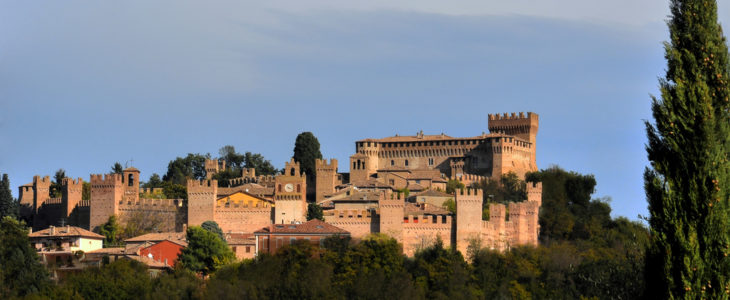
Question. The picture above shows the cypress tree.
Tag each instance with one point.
(306, 151)
(688, 183)
(7, 204)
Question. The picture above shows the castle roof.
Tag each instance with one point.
(131, 169)
(311, 227)
(424, 209)
(239, 238)
(67, 231)
(431, 193)
(175, 237)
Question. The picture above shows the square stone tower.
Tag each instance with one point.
(290, 195)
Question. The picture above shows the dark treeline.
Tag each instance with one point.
(583, 253)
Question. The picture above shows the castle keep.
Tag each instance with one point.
(366, 200)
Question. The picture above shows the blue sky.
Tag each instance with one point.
(83, 85)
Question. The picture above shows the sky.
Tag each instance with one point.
(86, 84)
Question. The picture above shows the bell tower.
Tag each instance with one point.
(290, 195)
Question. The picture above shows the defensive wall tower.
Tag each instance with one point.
(534, 192)
(290, 195)
(326, 178)
(365, 161)
(391, 209)
(468, 216)
(41, 191)
(71, 194)
(106, 193)
(522, 126)
(248, 173)
(213, 166)
(201, 201)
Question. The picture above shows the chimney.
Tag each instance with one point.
(52, 230)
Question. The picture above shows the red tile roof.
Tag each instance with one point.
(67, 231)
(175, 237)
(311, 227)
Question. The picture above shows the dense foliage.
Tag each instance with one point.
(688, 184)
(111, 232)
(20, 271)
(314, 211)
(306, 151)
(181, 169)
(212, 227)
(206, 251)
(8, 205)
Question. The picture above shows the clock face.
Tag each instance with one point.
(289, 187)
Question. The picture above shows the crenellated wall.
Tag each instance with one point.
(326, 179)
(422, 231)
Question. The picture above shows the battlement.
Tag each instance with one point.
(322, 164)
(523, 208)
(151, 191)
(202, 186)
(248, 172)
(106, 179)
(534, 192)
(468, 194)
(84, 203)
(428, 219)
(38, 179)
(513, 116)
(292, 168)
(350, 214)
(72, 182)
(169, 203)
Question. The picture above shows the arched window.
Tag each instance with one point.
(299, 188)
(406, 162)
(292, 171)
(279, 188)
(131, 179)
(392, 162)
(353, 166)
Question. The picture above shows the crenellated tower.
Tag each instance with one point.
(391, 209)
(106, 193)
(213, 166)
(519, 125)
(290, 195)
(71, 194)
(326, 178)
(468, 217)
(201, 201)
(130, 185)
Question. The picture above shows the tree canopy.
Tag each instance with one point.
(206, 251)
(117, 168)
(8, 205)
(687, 184)
(212, 227)
(181, 169)
(306, 151)
(20, 270)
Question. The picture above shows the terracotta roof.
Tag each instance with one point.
(151, 263)
(432, 193)
(428, 138)
(240, 238)
(108, 251)
(424, 209)
(67, 231)
(311, 227)
(373, 183)
(131, 169)
(415, 187)
(158, 237)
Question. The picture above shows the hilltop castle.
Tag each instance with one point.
(365, 200)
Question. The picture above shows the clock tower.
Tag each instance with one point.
(290, 195)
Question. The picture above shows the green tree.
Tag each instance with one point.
(86, 190)
(110, 230)
(450, 205)
(121, 279)
(153, 182)
(212, 227)
(8, 206)
(174, 191)
(117, 168)
(181, 169)
(57, 182)
(205, 252)
(258, 162)
(21, 273)
(234, 160)
(688, 182)
(306, 151)
(452, 185)
(314, 211)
